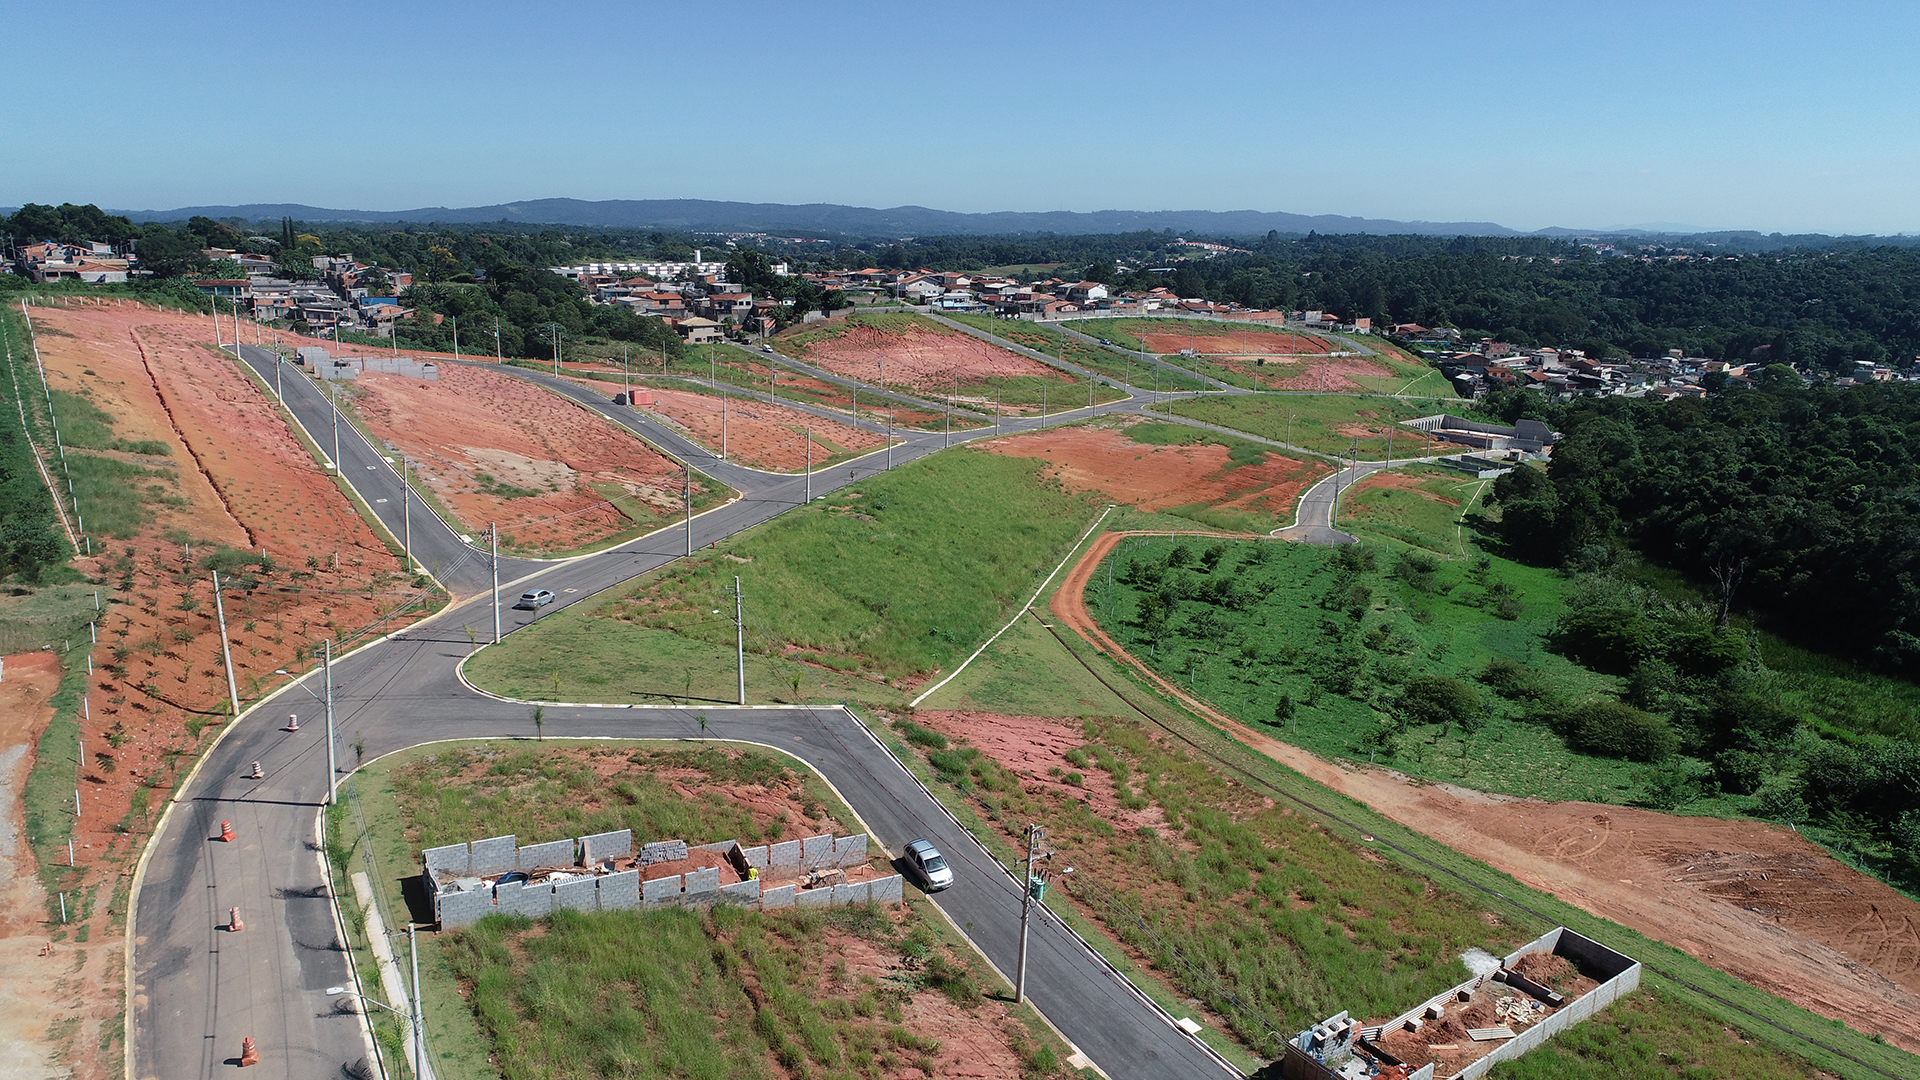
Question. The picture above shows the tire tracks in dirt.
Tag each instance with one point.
(253, 541)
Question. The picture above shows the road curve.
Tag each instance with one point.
(196, 990)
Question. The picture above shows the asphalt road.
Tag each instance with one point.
(196, 989)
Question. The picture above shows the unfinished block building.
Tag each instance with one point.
(603, 873)
(1539, 990)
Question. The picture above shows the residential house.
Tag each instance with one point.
(696, 330)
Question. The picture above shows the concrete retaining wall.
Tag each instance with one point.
(582, 895)
(621, 891)
(756, 857)
(741, 892)
(606, 845)
(816, 852)
(453, 859)
(660, 891)
(850, 850)
(495, 855)
(784, 856)
(534, 900)
(551, 855)
(462, 908)
(781, 897)
(813, 898)
(885, 890)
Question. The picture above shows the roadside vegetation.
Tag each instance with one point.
(863, 592)
(1423, 506)
(864, 991)
(1130, 370)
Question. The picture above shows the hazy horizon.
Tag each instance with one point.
(1518, 114)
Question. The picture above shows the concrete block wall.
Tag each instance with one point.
(756, 856)
(813, 898)
(784, 856)
(452, 859)
(582, 895)
(886, 890)
(606, 845)
(495, 855)
(781, 897)
(456, 909)
(621, 891)
(663, 851)
(850, 850)
(660, 891)
(816, 852)
(847, 895)
(1566, 943)
(741, 892)
(553, 853)
(703, 886)
(534, 900)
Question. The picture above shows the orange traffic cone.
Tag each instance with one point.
(226, 831)
(234, 925)
(248, 1055)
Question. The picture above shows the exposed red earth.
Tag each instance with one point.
(1233, 342)
(920, 359)
(1755, 900)
(496, 448)
(1085, 458)
(760, 434)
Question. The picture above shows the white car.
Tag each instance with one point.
(535, 600)
(928, 865)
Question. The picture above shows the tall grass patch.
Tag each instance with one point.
(1327, 423)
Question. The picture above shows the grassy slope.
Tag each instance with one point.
(898, 576)
(1726, 1035)
(1411, 516)
(580, 973)
(1317, 420)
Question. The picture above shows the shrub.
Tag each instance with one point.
(1618, 730)
(920, 736)
(1513, 681)
(1438, 699)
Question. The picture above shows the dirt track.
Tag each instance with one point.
(1756, 901)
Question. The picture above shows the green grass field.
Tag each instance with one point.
(606, 1007)
(1426, 515)
(856, 594)
(1328, 423)
(1672, 1029)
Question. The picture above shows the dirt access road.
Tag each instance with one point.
(1759, 902)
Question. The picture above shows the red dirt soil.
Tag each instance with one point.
(1100, 459)
(1234, 342)
(1032, 745)
(474, 422)
(1756, 901)
(236, 477)
(975, 1043)
(921, 359)
(760, 435)
(1334, 374)
(27, 1008)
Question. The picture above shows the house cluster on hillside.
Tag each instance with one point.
(93, 263)
(348, 295)
(1487, 365)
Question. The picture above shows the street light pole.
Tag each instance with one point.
(406, 514)
(413, 953)
(740, 639)
(493, 541)
(686, 495)
(333, 770)
(1034, 835)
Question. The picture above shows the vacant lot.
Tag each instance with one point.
(1214, 480)
(867, 991)
(492, 448)
(760, 434)
(1130, 370)
(1421, 505)
(867, 591)
(1328, 423)
(919, 356)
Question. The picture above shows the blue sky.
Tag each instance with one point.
(1774, 116)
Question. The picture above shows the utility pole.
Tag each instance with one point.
(333, 771)
(279, 362)
(456, 336)
(336, 428)
(226, 647)
(686, 495)
(740, 639)
(413, 953)
(493, 541)
(809, 464)
(1035, 834)
(496, 341)
(406, 514)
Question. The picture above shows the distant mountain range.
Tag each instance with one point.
(837, 220)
